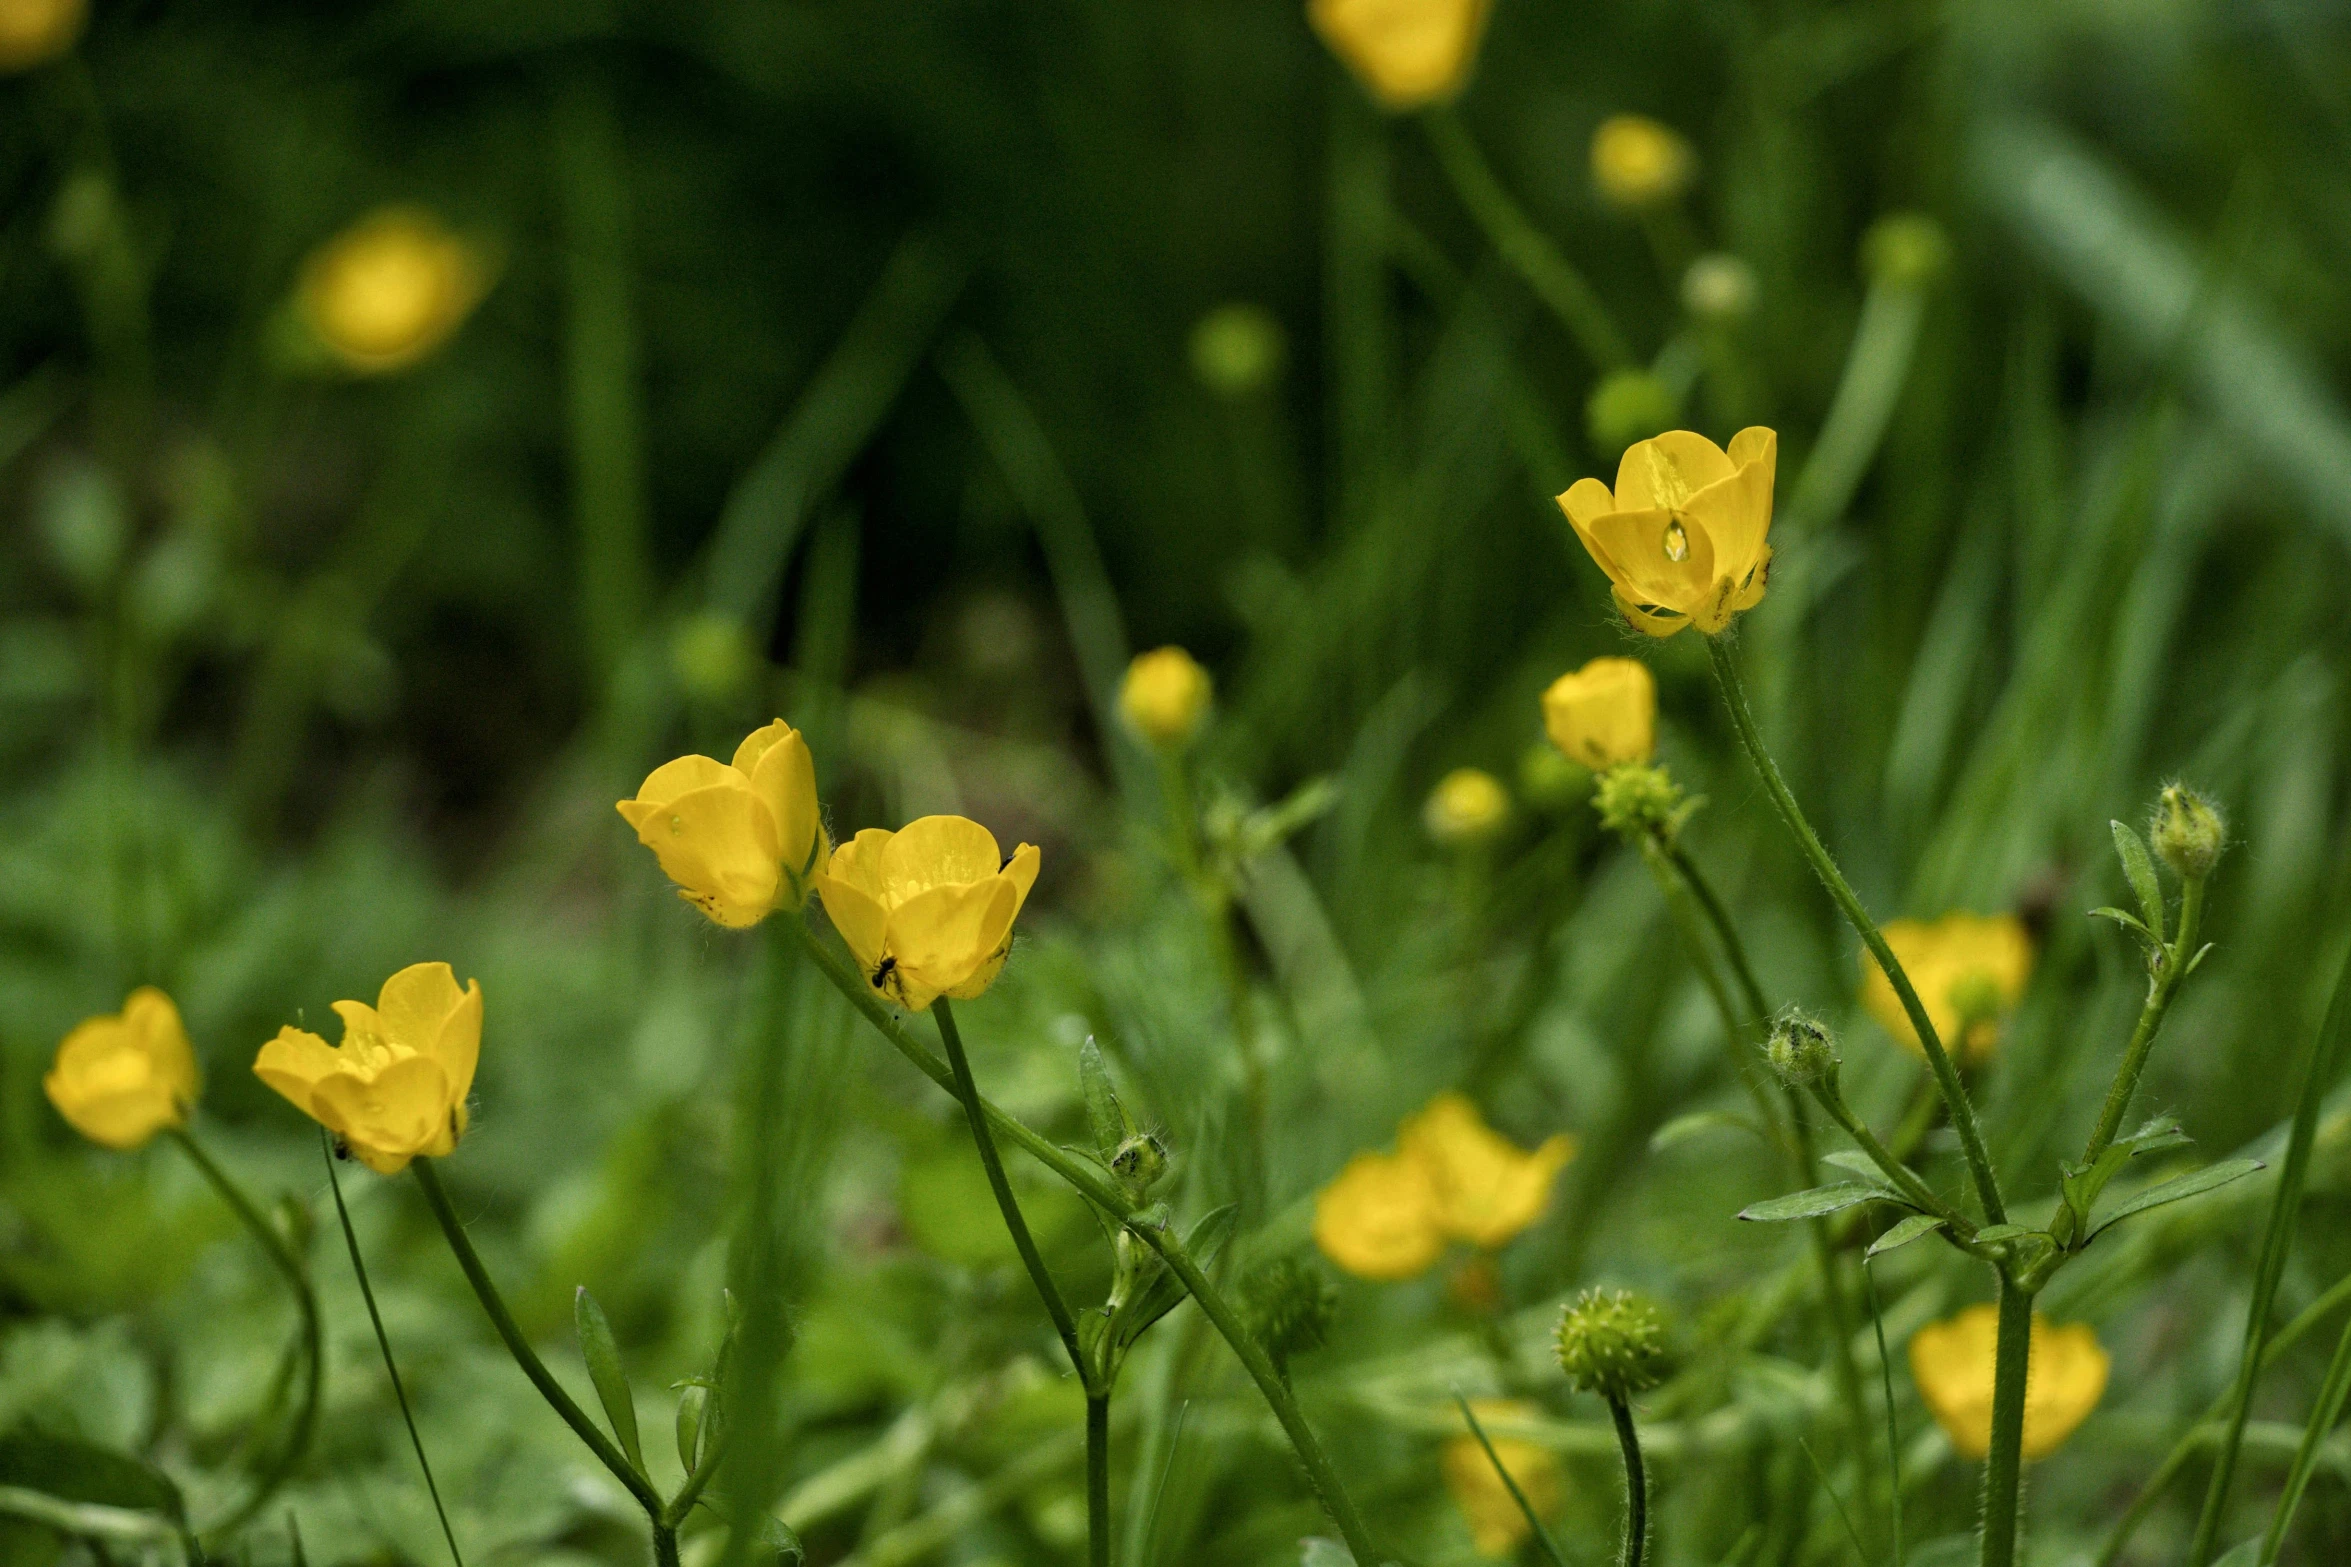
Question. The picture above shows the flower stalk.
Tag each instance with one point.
(2170, 965)
(1636, 1488)
(2004, 1464)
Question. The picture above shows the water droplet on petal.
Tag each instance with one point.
(1677, 543)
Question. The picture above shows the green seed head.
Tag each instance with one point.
(1612, 1344)
(2189, 833)
(1637, 799)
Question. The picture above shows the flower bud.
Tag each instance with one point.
(1719, 288)
(1802, 1052)
(390, 289)
(1468, 806)
(1642, 801)
(1905, 250)
(1164, 698)
(1628, 406)
(1237, 348)
(1139, 1162)
(1612, 1344)
(1637, 162)
(2189, 834)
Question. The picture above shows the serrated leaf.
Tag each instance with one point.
(2194, 1184)
(1684, 1127)
(1819, 1200)
(2128, 921)
(1106, 1118)
(1903, 1233)
(604, 1370)
(2138, 867)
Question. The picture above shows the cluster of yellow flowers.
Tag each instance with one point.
(1451, 1178)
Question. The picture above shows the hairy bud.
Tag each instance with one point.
(1612, 1344)
(2189, 833)
(1291, 1306)
(1802, 1051)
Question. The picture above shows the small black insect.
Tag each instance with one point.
(882, 972)
(342, 1151)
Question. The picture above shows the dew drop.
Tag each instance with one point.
(1677, 543)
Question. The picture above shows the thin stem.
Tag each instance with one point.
(1877, 1322)
(2160, 991)
(470, 1262)
(1963, 1119)
(2004, 1464)
(1911, 1185)
(968, 1090)
(1215, 903)
(2322, 1421)
(1636, 1487)
(1718, 915)
(1735, 1029)
(297, 1276)
(1098, 1479)
(1526, 1508)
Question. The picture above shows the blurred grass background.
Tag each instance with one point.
(848, 362)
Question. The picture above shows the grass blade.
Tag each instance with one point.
(1526, 1508)
(2322, 1421)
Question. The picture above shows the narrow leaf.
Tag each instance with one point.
(1526, 1509)
(2128, 921)
(2138, 866)
(1684, 1127)
(1859, 1163)
(1903, 1233)
(2194, 1184)
(604, 1369)
(2001, 1234)
(1821, 1199)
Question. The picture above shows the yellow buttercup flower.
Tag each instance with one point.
(1487, 1188)
(1683, 536)
(1378, 1218)
(33, 32)
(1604, 713)
(1468, 806)
(1967, 969)
(740, 839)
(1953, 1362)
(1637, 162)
(120, 1079)
(1496, 1526)
(928, 910)
(396, 1086)
(390, 289)
(1164, 697)
(1408, 52)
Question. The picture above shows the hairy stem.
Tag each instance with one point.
(2160, 991)
(1905, 1179)
(1636, 1486)
(1098, 1479)
(2004, 1464)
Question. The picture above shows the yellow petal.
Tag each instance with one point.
(863, 923)
(671, 779)
(1650, 622)
(938, 851)
(1487, 1189)
(1664, 561)
(1603, 713)
(155, 1022)
(1378, 1218)
(1496, 1525)
(415, 1002)
(294, 1063)
(458, 1046)
(783, 774)
(943, 937)
(719, 845)
(1586, 501)
(1408, 52)
(1953, 1363)
(1021, 871)
(389, 1119)
(1757, 445)
(1663, 472)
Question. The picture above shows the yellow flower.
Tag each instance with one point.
(1468, 805)
(33, 32)
(1637, 162)
(928, 910)
(1952, 1362)
(1378, 1218)
(1407, 52)
(396, 1086)
(121, 1079)
(1487, 1188)
(1496, 1525)
(1604, 713)
(1965, 967)
(390, 289)
(1164, 697)
(1682, 538)
(740, 840)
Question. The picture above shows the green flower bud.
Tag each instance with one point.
(1139, 1162)
(1291, 1306)
(1905, 250)
(1237, 348)
(1629, 406)
(1636, 799)
(712, 657)
(1612, 1344)
(2188, 832)
(1719, 288)
(1802, 1052)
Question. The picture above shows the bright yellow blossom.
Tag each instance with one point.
(1604, 713)
(34, 32)
(1683, 536)
(1164, 697)
(1953, 1362)
(740, 840)
(390, 289)
(120, 1079)
(1487, 1188)
(1468, 806)
(928, 910)
(1965, 967)
(1378, 1218)
(1637, 162)
(1408, 52)
(396, 1086)
(1496, 1526)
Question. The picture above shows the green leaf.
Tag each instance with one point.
(1859, 1163)
(777, 1536)
(693, 1403)
(1323, 1553)
(1821, 1199)
(2128, 921)
(1903, 1233)
(1165, 1291)
(2194, 1184)
(1684, 1127)
(1106, 1118)
(2158, 1134)
(2138, 866)
(72, 1470)
(604, 1369)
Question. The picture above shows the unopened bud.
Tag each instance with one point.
(1719, 288)
(1468, 807)
(2189, 833)
(1802, 1052)
(1140, 1161)
(1612, 1344)
(1637, 800)
(1164, 698)
(1237, 348)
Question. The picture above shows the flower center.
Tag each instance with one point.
(1677, 543)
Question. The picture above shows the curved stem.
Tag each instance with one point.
(1636, 1487)
(2004, 1464)
(1098, 1480)
(1737, 1031)
(1907, 1180)
(2166, 984)
(1718, 915)
(585, 1429)
(1963, 1119)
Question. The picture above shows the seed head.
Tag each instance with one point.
(1638, 800)
(1612, 1344)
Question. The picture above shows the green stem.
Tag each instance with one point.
(1216, 910)
(968, 1090)
(1963, 1119)
(2160, 991)
(1526, 1508)
(2004, 1464)
(585, 1429)
(1718, 915)
(1098, 1479)
(1636, 1488)
(665, 1545)
(1735, 1029)
(297, 1277)
(1907, 1180)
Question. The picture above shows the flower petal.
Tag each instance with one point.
(1656, 625)
(294, 1063)
(458, 1046)
(938, 851)
(784, 775)
(1663, 472)
(1378, 1218)
(671, 779)
(719, 845)
(863, 923)
(415, 1003)
(944, 937)
(395, 1116)
(1662, 560)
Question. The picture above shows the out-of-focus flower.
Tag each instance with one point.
(1637, 162)
(1905, 250)
(1469, 805)
(1629, 406)
(1969, 971)
(1683, 537)
(1452, 1178)
(1719, 288)
(1549, 781)
(1378, 1218)
(34, 32)
(390, 289)
(1237, 348)
(1604, 713)
(120, 1079)
(1496, 1525)
(1164, 697)
(928, 910)
(1953, 1363)
(740, 840)
(396, 1086)
(1407, 52)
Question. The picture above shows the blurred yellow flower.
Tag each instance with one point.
(1496, 1525)
(1637, 162)
(396, 1086)
(1953, 1361)
(1966, 968)
(390, 289)
(120, 1079)
(1682, 537)
(1468, 806)
(1407, 52)
(740, 840)
(33, 32)
(928, 910)
(1452, 1178)
(1164, 697)
(1603, 713)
